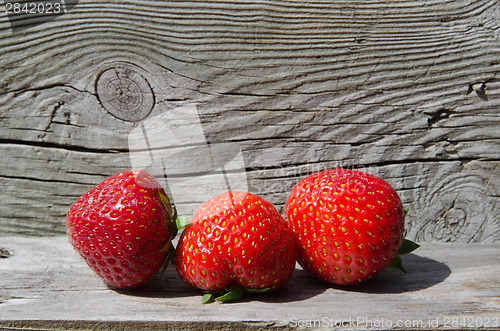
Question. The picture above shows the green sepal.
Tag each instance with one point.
(173, 223)
(169, 259)
(397, 263)
(230, 294)
(234, 294)
(174, 216)
(207, 298)
(407, 246)
(182, 222)
(171, 254)
(166, 204)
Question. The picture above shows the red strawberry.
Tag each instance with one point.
(236, 240)
(348, 225)
(122, 228)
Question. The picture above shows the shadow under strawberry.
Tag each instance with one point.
(300, 287)
(166, 285)
(422, 273)
(169, 285)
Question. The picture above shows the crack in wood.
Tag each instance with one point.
(52, 115)
(73, 148)
(377, 164)
(37, 179)
(23, 90)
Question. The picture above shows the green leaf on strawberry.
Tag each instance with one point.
(182, 222)
(397, 263)
(234, 294)
(207, 297)
(407, 246)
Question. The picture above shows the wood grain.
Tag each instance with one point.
(399, 89)
(46, 285)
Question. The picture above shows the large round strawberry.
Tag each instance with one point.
(123, 228)
(236, 241)
(348, 225)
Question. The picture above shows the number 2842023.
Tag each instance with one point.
(33, 7)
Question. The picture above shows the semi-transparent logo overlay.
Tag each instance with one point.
(173, 148)
(25, 14)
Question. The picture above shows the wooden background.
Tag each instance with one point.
(407, 90)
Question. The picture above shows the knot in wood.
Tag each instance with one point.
(125, 93)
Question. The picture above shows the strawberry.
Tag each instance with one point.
(236, 241)
(348, 225)
(123, 228)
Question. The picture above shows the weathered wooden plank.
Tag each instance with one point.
(407, 91)
(46, 284)
(459, 201)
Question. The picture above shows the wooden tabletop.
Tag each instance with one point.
(44, 284)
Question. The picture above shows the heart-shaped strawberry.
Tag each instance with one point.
(236, 241)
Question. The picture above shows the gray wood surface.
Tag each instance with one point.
(45, 284)
(408, 90)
